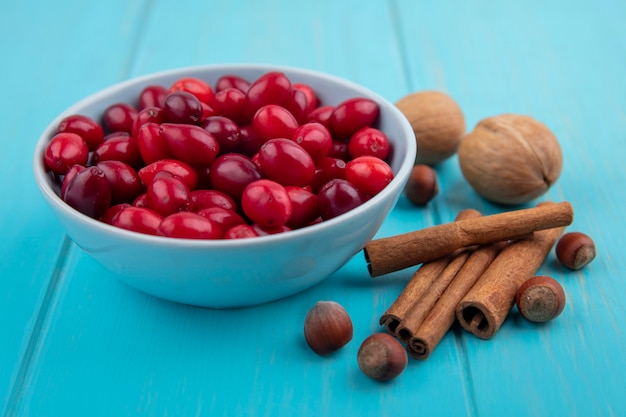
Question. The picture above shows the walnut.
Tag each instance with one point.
(438, 123)
(510, 159)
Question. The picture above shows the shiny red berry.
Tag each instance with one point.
(85, 127)
(369, 174)
(266, 203)
(65, 150)
(286, 162)
(188, 225)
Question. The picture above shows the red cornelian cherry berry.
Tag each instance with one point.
(321, 115)
(351, 115)
(249, 141)
(222, 217)
(230, 103)
(314, 138)
(270, 88)
(167, 194)
(89, 192)
(119, 146)
(152, 96)
(273, 121)
(85, 127)
(231, 173)
(337, 197)
(119, 117)
(202, 199)
(65, 150)
(369, 174)
(182, 107)
(286, 162)
(112, 211)
(69, 175)
(369, 141)
(266, 203)
(151, 145)
(225, 130)
(199, 88)
(311, 96)
(123, 181)
(327, 169)
(175, 167)
(187, 225)
(137, 219)
(297, 105)
(240, 231)
(339, 150)
(232, 81)
(304, 205)
(147, 115)
(189, 143)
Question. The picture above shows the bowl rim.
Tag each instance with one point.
(42, 177)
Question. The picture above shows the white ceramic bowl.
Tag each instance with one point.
(242, 272)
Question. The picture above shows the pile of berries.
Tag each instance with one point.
(239, 159)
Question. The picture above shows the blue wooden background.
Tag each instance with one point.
(76, 342)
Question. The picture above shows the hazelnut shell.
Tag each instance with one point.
(327, 327)
(540, 299)
(575, 250)
(422, 185)
(382, 357)
(510, 159)
(438, 123)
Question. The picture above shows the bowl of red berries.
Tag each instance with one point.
(225, 186)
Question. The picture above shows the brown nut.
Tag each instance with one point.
(575, 250)
(510, 159)
(540, 299)
(327, 327)
(422, 185)
(438, 124)
(382, 357)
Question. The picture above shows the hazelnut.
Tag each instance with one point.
(438, 124)
(510, 159)
(540, 299)
(327, 327)
(422, 185)
(575, 250)
(382, 357)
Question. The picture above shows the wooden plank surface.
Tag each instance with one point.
(78, 342)
(48, 64)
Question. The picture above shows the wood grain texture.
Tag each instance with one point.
(48, 64)
(78, 342)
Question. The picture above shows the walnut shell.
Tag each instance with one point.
(438, 123)
(510, 159)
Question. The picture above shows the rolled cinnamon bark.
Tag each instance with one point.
(485, 307)
(421, 280)
(394, 253)
(416, 315)
(443, 314)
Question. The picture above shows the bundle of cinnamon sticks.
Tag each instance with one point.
(470, 271)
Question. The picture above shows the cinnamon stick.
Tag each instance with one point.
(442, 316)
(394, 253)
(485, 307)
(418, 284)
(420, 309)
